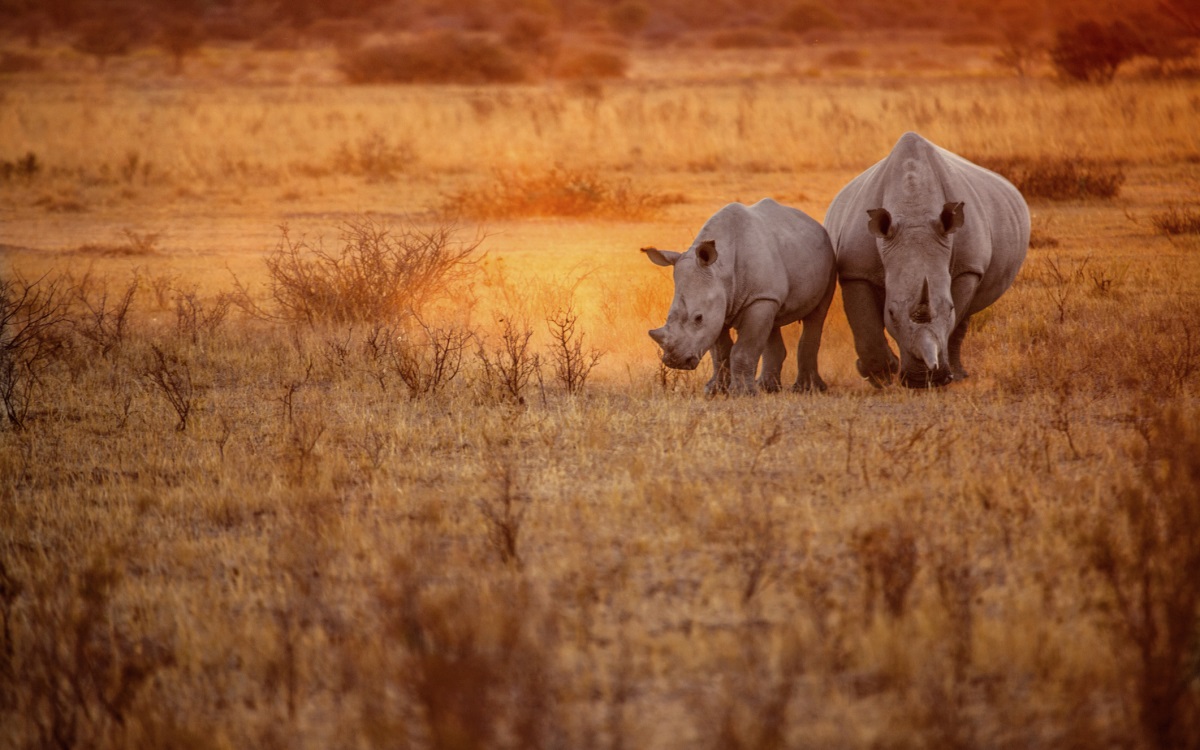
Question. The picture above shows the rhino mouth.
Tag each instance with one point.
(923, 377)
(676, 362)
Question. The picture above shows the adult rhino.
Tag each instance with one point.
(924, 240)
(753, 269)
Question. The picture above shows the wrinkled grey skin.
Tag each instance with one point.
(924, 240)
(753, 269)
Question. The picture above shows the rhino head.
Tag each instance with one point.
(918, 307)
(697, 314)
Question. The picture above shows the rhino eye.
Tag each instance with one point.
(699, 318)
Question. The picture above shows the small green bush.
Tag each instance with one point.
(441, 57)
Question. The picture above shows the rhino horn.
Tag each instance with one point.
(920, 312)
(927, 350)
(659, 335)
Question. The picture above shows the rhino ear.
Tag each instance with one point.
(706, 253)
(952, 217)
(880, 222)
(661, 257)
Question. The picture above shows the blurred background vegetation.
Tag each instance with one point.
(475, 41)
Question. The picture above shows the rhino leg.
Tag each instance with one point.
(807, 377)
(954, 349)
(772, 362)
(864, 310)
(962, 291)
(719, 383)
(754, 329)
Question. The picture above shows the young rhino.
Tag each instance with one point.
(755, 269)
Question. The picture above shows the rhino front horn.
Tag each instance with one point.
(920, 312)
(659, 335)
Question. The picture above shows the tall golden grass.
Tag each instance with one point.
(222, 530)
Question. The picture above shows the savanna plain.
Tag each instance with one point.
(332, 420)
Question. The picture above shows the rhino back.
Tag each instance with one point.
(770, 251)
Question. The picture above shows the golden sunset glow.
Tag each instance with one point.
(331, 418)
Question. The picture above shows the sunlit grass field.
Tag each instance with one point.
(226, 529)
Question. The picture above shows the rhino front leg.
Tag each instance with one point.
(864, 310)
(962, 291)
(772, 362)
(719, 383)
(754, 329)
(807, 377)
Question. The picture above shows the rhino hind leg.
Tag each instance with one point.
(954, 349)
(807, 376)
(772, 362)
(864, 309)
(719, 383)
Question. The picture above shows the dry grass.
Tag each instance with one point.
(224, 530)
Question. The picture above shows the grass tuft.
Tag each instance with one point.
(1177, 220)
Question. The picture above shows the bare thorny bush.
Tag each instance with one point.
(377, 274)
(509, 364)
(33, 316)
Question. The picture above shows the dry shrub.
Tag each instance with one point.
(462, 663)
(1145, 550)
(81, 668)
(25, 167)
(375, 157)
(1065, 178)
(15, 62)
(843, 58)
(590, 64)
(378, 273)
(509, 363)
(748, 38)
(558, 192)
(439, 57)
(135, 244)
(572, 362)
(809, 15)
(1177, 220)
(33, 320)
(889, 560)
